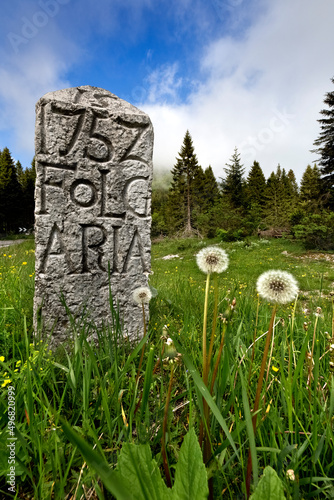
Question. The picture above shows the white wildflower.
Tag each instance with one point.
(170, 351)
(212, 260)
(277, 286)
(290, 474)
(142, 295)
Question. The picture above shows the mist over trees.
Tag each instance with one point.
(235, 207)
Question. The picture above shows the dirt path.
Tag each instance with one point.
(8, 243)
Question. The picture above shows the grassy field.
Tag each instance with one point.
(108, 402)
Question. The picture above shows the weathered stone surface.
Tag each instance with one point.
(93, 207)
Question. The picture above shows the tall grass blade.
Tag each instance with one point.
(250, 429)
(207, 396)
(147, 382)
(110, 479)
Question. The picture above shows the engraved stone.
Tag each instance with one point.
(93, 209)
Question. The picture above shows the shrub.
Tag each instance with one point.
(316, 231)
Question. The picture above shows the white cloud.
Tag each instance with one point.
(164, 84)
(262, 93)
(260, 89)
(32, 64)
(21, 85)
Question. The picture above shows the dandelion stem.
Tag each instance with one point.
(205, 364)
(143, 348)
(310, 366)
(254, 339)
(258, 394)
(214, 322)
(205, 320)
(218, 359)
(263, 366)
(164, 428)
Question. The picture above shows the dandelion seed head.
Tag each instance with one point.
(212, 260)
(318, 312)
(277, 286)
(142, 295)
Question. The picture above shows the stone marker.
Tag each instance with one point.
(93, 208)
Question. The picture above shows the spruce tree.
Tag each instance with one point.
(10, 194)
(293, 185)
(290, 196)
(273, 199)
(184, 188)
(325, 143)
(28, 195)
(310, 190)
(279, 204)
(206, 197)
(233, 184)
(256, 187)
(19, 172)
(211, 188)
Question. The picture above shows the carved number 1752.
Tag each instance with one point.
(83, 116)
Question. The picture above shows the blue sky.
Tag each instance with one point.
(250, 74)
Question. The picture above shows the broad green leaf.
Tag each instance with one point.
(191, 481)
(270, 487)
(135, 464)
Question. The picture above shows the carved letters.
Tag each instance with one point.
(94, 173)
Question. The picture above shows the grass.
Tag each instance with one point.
(96, 391)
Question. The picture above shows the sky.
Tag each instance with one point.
(246, 74)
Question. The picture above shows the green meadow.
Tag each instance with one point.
(90, 421)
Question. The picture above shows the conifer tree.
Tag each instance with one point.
(290, 196)
(184, 189)
(282, 198)
(325, 143)
(28, 195)
(293, 185)
(273, 199)
(211, 188)
(310, 189)
(19, 172)
(256, 187)
(279, 203)
(206, 190)
(206, 197)
(233, 184)
(10, 194)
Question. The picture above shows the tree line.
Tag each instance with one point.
(232, 207)
(17, 186)
(235, 206)
(196, 202)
